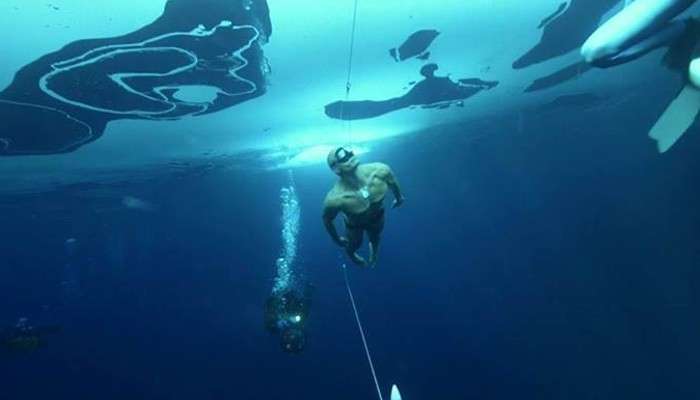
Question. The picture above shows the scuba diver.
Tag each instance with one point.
(643, 26)
(359, 194)
(286, 312)
(23, 337)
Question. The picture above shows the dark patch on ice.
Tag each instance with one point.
(581, 100)
(477, 82)
(415, 46)
(551, 17)
(432, 92)
(66, 98)
(424, 56)
(566, 31)
(557, 78)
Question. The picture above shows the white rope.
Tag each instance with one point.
(362, 333)
(348, 84)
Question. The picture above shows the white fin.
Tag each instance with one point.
(677, 118)
(694, 72)
(395, 394)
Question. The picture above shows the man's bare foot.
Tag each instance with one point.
(357, 259)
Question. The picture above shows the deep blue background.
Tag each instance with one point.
(554, 256)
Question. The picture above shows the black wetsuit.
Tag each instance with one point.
(280, 308)
(286, 314)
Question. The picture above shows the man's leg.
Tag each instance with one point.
(374, 239)
(634, 31)
(354, 236)
(375, 235)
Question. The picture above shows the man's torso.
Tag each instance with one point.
(367, 200)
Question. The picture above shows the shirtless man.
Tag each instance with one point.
(359, 195)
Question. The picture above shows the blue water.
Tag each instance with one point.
(557, 261)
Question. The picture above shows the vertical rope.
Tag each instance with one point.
(348, 84)
(352, 50)
(362, 333)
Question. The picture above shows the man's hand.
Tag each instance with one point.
(342, 242)
(397, 202)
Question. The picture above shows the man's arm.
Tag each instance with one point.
(388, 176)
(330, 211)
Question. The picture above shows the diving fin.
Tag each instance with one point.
(694, 72)
(395, 394)
(677, 118)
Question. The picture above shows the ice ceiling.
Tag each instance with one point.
(126, 83)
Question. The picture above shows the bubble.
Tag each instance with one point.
(291, 215)
(70, 245)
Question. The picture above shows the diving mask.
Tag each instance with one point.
(343, 155)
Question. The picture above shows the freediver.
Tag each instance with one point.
(359, 194)
(286, 313)
(24, 337)
(643, 26)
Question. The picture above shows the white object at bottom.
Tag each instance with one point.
(395, 394)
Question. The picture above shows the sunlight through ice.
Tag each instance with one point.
(315, 155)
